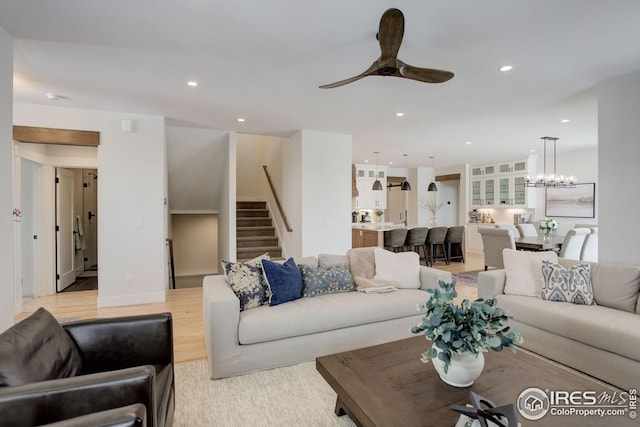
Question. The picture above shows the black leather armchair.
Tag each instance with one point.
(125, 361)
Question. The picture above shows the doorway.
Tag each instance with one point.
(76, 229)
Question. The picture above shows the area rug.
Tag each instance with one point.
(467, 277)
(292, 396)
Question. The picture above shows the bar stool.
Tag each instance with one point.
(435, 240)
(454, 241)
(394, 239)
(416, 240)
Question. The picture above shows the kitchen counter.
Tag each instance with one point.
(372, 233)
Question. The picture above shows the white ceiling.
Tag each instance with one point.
(264, 61)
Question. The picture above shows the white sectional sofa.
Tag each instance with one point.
(239, 342)
(601, 340)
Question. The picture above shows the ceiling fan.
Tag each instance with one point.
(390, 37)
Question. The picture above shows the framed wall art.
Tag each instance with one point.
(578, 202)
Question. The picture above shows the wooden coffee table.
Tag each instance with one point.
(387, 385)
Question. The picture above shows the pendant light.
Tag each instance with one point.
(405, 186)
(552, 179)
(377, 185)
(432, 186)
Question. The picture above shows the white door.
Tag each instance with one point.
(65, 273)
(396, 205)
(89, 218)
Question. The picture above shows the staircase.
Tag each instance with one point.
(255, 233)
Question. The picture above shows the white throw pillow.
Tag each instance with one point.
(402, 269)
(524, 271)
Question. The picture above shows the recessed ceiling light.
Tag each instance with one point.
(192, 83)
(565, 121)
(506, 68)
(366, 161)
(400, 114)
(52, 96)
(532, 150)
(390, 163)
(469, 142)
(240, 120)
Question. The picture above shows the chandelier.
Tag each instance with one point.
(551, 179)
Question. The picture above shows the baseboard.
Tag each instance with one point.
(131, 299)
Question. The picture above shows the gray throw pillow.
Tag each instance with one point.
(37, 349)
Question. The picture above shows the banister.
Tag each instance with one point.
(275, 196)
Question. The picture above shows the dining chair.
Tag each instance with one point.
(453, 241)
(494, 240)
(527, 230)
(589, 251)
(572, 244)
(513, 228)
(394, 239)
(435, 244)
(417, 241)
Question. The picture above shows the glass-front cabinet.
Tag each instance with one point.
(368, 198)
(502, 184)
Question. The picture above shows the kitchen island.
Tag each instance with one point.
(371, 233)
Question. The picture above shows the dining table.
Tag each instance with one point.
(539, 243)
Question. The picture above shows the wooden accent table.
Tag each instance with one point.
(387, 385)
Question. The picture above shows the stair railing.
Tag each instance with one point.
(275, 196)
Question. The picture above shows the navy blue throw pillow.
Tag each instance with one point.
(284, 281)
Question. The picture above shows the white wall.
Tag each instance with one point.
(291, 199)
(7, 255)
(254, 151)
(584, 165)
(227, 211)
(618, 153)
(195, 244)
(131, 198)
(317, 193)
(326, 193)
(195, 168)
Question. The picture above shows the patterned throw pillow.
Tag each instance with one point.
(318, 281)
(247, 281)
(567, 284)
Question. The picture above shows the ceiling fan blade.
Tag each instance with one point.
(390, 34)
(428, 75)
(371, 70)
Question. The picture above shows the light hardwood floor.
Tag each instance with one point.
(186, 308)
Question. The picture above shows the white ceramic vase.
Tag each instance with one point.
(463, 371)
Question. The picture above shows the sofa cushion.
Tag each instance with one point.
(615, 286)
(601, 327)
(284, 281)
(37, 349)
(247, 281)
(329, 260)
(562, 284)
(524, 271)
(403, 269)
(318, 281)
(325, 313)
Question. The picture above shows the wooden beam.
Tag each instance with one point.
(451, 177)
(39, 135)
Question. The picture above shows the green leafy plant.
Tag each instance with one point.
(469, 328)
(379, 212)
